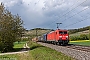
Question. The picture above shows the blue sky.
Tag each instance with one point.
(46, 13)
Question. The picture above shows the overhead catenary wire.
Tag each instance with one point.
(67, 12)
(70, 11)
(75, 14)
(77, 22)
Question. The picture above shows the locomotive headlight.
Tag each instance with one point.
(66, 36)
(60, 36)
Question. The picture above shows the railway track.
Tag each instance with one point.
(79, 47)
(78, 52)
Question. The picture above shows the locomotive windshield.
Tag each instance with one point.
(62, 32)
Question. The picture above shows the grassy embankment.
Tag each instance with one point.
(43, 53)
(38, 52)
(81, 42)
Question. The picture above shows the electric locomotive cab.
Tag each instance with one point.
(63, 37)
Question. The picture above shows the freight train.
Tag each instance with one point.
(58, 36)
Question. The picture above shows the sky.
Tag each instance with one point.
(46, 13)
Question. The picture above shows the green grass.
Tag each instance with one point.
(44, 53)
(19, 56)
(85, 43)
(8, 57)
(19, 45)
(38, 52)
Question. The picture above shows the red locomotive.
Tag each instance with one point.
(58, 36)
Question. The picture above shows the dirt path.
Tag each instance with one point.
(25, 49)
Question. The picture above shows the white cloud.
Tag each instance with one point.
(9, 3)
(46, 13)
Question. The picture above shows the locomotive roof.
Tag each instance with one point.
(60, 30)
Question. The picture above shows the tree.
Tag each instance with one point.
(11, 27)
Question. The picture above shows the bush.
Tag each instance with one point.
(73, 38)
(81, 37)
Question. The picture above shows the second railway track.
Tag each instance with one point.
(79, 47)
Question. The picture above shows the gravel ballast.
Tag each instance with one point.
(77, 54)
